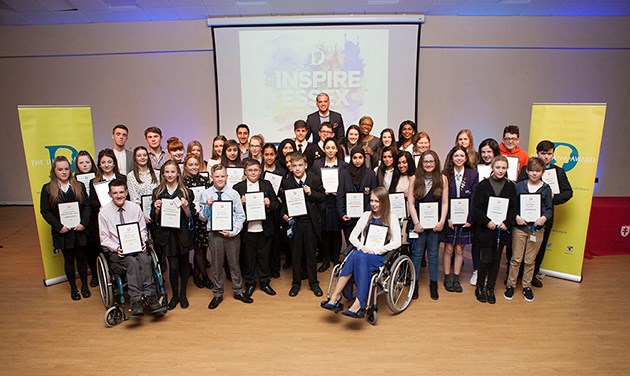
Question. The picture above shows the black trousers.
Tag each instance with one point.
(489, 266)
(541, 252)
(256, 258)
(304, 246)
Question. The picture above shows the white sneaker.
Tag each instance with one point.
(473, 278)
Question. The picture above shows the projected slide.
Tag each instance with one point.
(269, 77)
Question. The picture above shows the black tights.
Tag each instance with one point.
(91, 254)
(200, 264)
(69, 257)
(178, 267)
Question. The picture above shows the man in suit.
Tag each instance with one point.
(305, 229)
(322, 115)
(124, 156)
(258, 233)
(315, 151)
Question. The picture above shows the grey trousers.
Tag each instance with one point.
(218, 247)
(137, 267)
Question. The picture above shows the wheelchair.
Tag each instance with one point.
(112, 286)
(396, 279)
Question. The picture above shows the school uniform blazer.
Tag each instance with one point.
(313, 202)
(95, 206)
(50, 213)
(466, 189)
(335, 119)
(267, 189)
(546, 207)
(485, 237)
(313, 153)
(184, 234)
(367, 185)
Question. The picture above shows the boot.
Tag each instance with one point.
(457, 287)
(480, 293)
(448, 283)
(415, 290)
(434, 290)
(490, 295)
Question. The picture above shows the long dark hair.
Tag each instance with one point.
(105, 153)
(136, 168)
(83, 153)
(401, 139)
(492, 144)
(54, 190)
(380, 171)
(449, 166)
(224, 160)
(438, 184)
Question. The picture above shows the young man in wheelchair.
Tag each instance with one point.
(137, 266)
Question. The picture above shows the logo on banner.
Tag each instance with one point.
(625, 230)
(570, 160)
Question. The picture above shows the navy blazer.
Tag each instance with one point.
(336, 120)
(267, 189)
(466, 189)
(313, 202)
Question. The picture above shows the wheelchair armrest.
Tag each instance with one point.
(390, 258)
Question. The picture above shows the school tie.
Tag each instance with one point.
(300, 148)
(219, 193)
(120, 214)
(300, 183)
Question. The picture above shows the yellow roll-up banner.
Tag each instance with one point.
(576, 130)
(48, 132)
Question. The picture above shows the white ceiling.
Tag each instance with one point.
(28, 12)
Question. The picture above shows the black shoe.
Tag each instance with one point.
(448, 284)
(294, 290)
(243, 298)
(137, 309)
(74, 295)
(94, 282)
(152, 304)
(457, 287)
(434, 290)
(267, 290)
(286, 265)
(480, 294)
(183, 301)
(536, 282)
(528, 294)
(415, 291)
(317, 291)
(214, 303)
(275, 274)
(173, 303)
(85, 292)
(490, 295)
(198, 282)
(324, 267)
(509, 293)
(249, 290)
(208, 284)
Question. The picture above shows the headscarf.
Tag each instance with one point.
(357, 173)
(281, 158)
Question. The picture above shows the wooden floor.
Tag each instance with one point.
(571, 328)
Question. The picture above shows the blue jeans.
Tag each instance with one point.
(430, 239)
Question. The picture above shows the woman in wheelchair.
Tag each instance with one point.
(366, 256)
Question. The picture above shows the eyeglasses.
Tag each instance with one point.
(327, 132)
(510, 139)
(428, 162)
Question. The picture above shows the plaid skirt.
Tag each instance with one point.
(458, 235)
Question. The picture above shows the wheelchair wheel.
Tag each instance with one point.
(401, 284)
(113, 316)
(104, 280)
(372, 315)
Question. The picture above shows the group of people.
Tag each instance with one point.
(251, 201)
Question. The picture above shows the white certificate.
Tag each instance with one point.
(330, 179)
(146, 202)
(376, 236)
(102, 192)
(484, 171)
(275, 180)
(346, 158)
(255, 206)
(354, 204)
(428, 214)
(512, 172)
(129, 238)
(296, 202)
(551, 177)
(234, 175)
(170, 213)
(398, 205)
(530, 207)
(497, 209)
(205, 173)
(416, 160)
(459, 210)
(197, 191)
(85, 179)
(222, 216)
(69, 214)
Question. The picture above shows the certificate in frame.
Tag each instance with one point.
(129, 237)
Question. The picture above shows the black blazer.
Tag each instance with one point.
(71, 239)
(313, 153)
(335, 119)
(184, 234)
(313, 202)
(95, 206)
(485, 237)
(267, 189)
(367, 185)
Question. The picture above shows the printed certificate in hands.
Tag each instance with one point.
(551, 177)
(484, 171)
(398, 205)
(69, 214)
(197, 191)
(170, 213)
(129, 238)
(530, 207)
(428, 214)
(102, 192)
(512, 171)
(497, 209)
(275, 180)
(376, 236)
(354, 204)
(296, 202)
(222, 216)
(459, 210)
(85, 179)
(146, 201)
(234, 175)
(330, 179)
(255, 206)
